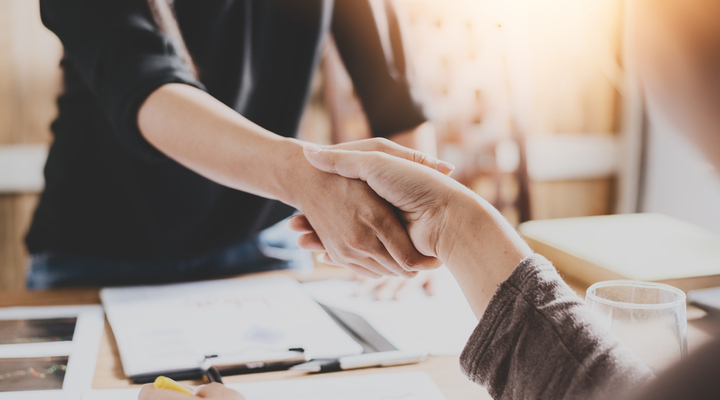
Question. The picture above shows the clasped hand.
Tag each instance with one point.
(401, 215)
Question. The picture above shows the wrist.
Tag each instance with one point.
(466, 214)
(290, 165)
(483, 252)
(298, 181)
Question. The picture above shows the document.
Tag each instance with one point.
(48, 352)
(399, 386)
(174, 327)
(439, 325)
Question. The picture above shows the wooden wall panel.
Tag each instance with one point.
(15, 214)
(30, 76)
(30, 80)
(565, 199)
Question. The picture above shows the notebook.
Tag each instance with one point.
(647, 247)
(165, 328)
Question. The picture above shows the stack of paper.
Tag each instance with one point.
(647, 247)
(173, 327)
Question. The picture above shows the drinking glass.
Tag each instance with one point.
(650, 318)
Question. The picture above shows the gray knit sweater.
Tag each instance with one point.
(537, 340)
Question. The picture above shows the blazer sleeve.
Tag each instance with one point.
(371, 46)
(120, 55)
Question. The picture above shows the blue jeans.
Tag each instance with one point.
(272, 249)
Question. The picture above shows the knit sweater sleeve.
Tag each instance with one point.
(538, 340)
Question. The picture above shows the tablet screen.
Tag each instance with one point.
(21, 331)
(35, 373)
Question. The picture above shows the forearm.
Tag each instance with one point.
(522, 303)
(479, 247)
(538, 340)
(201, 133)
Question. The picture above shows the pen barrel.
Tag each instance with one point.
(330, 366)
(381, 359)
(213, 375)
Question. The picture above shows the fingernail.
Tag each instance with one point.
(445, 167)
(311, 147)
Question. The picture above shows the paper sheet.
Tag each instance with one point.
(51, 349)
(170, 327)
(400, 386)
(439, 325)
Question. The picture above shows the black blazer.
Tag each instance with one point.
(109, 193)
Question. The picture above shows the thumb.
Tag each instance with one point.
(392, 178)
(394, 149)
(349, 164)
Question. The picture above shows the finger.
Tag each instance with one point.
(369, 285)
(383, 257)
(372, 167)
(350, 164)
(218, 391)
(424, 279)
(300, 223)
(390, 289)
(310, 241)
(394, 149)
(401, 249)
(149, 392)
(370, 264)
(430, 286)
(326, 259)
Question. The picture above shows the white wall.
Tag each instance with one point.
(678, 180)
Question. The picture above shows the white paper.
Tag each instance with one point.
(82, 350)
(170, 327)
(439, 325)
(399, 386)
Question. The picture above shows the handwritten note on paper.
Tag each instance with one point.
(440, 324)
(400, 386)
(171, 327)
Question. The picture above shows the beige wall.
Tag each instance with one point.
(29, 83)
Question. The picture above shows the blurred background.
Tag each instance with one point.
(534, 101)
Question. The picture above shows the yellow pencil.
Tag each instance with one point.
(166, 383)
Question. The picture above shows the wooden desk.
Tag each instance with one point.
(445, 371)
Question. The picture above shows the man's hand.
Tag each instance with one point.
(355, 227)
(443, 218)
(213, 391)
(418, 192)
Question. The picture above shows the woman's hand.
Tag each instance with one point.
(213, 391)
(419, 192)
(443, 218)
(352, 224)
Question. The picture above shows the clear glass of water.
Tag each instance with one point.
(650, 318)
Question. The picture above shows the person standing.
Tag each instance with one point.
(174, 145)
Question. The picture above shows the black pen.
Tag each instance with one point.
(378, 359)
(211, 373)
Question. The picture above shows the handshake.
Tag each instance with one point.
(424, 219)
(408, 215)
